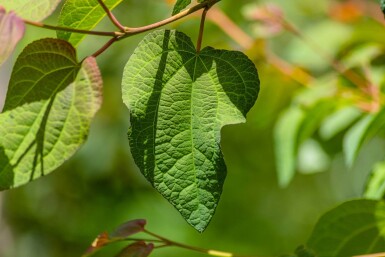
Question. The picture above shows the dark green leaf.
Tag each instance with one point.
(50, 103)
(179, 101)
(353, 228)
(82, 14)
(11, 31)
(180, 5)
(383, 6)
(35, 10)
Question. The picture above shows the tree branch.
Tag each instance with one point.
(111, 16)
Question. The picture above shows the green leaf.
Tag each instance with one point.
(338, 121)
(11, 31)
(376, 186)
(34, 10)
(82, 14)
(383, 6)
(286, 143)
(50, 103)
(353, 228)
(180, 5)
(366, 127)
(179, 101)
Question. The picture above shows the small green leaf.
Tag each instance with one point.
(137, 249)
(11, 31)
(82, 14)
(286, 143)
(383, 6)
(353, 228)
(376, 186)
(50, 103)
(34, 10)
(366, 127)
(180, 5)
(179, 101)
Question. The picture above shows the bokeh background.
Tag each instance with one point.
(100, 187)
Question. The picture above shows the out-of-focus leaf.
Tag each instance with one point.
(82, 14)
(312, 158)
(11, 31)
(366, 127)
(383, 6)
(286, 139)
(179, 101)
(362, 55)
(129, 228)
(51, 101)
(313, 119)
(302, 251)
(338, 121)
(330, 37)
(34, 10)
(100, 241)
(376, 185)
(137, 249)
(353, 228)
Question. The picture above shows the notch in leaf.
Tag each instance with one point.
(179, 100)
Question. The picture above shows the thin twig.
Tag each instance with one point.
(169, 242)
(111, 16)
(80, 31)
(134, 31)
(201, 29)
(105, 47)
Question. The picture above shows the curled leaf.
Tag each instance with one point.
(137, 249)
(100, 241)
(129, 228)
(11, 31)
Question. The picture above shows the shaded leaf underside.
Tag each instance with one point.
(179, 101)
(50, 103)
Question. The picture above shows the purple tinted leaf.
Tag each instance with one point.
(129, 228)
(11, 31)
(137, 249)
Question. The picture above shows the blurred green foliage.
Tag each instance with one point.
(100, 187)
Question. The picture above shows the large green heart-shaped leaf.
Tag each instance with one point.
(179, 101)
(82, 14)
(35, 10)
(50, 103)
